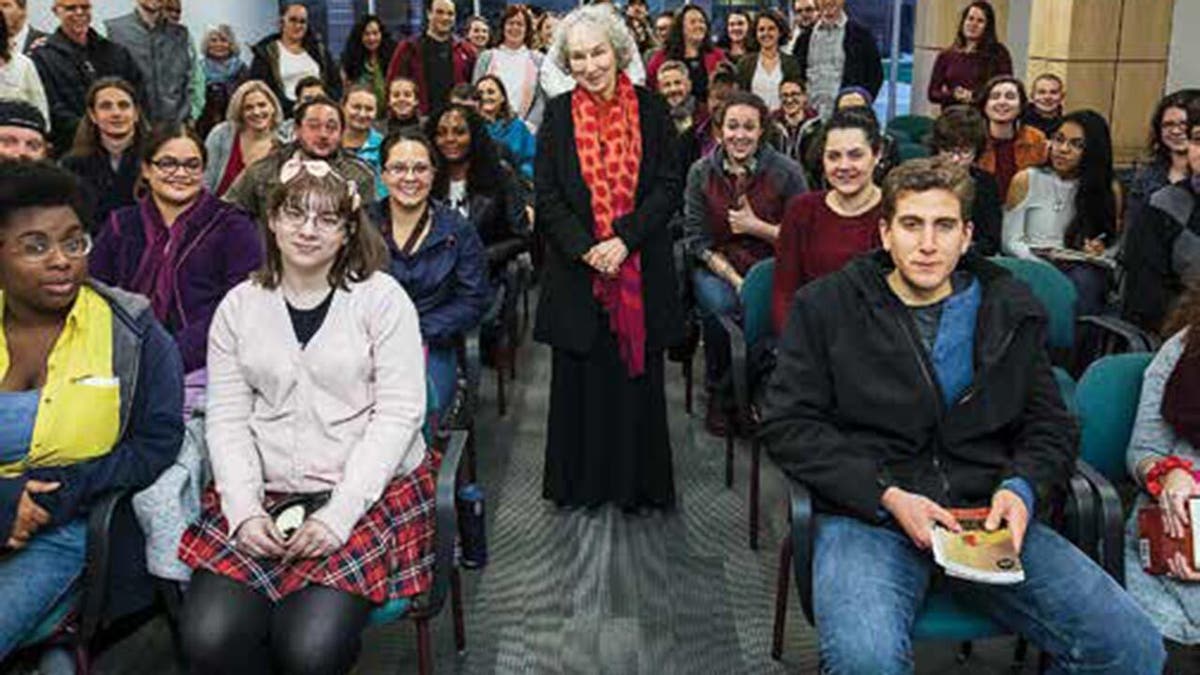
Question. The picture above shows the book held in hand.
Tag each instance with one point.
(976, 554)
(1155, 547)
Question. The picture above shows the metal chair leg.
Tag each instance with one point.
(424, 649)
(728, 452)
(687, 386)
(783, 578)
(471, 454)
(964, 652)
(1019, 654)
(755, 453)
(460, 635)
(500, 400)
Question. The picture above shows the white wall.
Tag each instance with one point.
(1183, 65)
(251, 19)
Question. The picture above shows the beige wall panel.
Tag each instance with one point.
(1050, 29)
(1138, 88)
(1095, 28)
(1037, 66)
(922, 70)
(937, 21)
(1090, 85)
(1146, 29)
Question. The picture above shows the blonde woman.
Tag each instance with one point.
(246, 136)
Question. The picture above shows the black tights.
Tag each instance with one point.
(229, 628)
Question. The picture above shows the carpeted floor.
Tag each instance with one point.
(599, 591)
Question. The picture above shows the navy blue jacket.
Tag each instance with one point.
(446, 278)
(147, 363)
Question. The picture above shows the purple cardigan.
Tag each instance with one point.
(217, 245)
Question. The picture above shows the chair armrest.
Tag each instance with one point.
(1136, 339)
(1108, 521)
(445, 535)
(1079, 521)
(803, 531)
(738, 364)
(97, 565)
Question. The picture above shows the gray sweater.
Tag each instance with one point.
(1174, 606)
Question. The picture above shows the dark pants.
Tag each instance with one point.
(229, 628)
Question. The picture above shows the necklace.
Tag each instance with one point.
(1060, 195)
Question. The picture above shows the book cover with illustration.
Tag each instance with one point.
(974, 553)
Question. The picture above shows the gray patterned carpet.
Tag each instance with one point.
(599, 591)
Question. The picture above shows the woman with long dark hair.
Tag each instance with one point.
(976, 56)
(738, 40)
(510, 131)
(365, 58)
(472, 180)
(690, 42)
(1071, 203)
(1011, 144)
(762, 71)
(107, 147)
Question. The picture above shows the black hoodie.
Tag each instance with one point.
(854, 407)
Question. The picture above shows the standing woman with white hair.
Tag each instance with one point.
(555, 78)
(607, 179)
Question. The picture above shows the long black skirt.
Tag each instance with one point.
(607, 437)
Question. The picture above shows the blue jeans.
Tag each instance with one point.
(869, 582)
(34, 579)
(714, 297)
(442, 366)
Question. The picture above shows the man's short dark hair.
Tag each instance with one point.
(925, 174)
(303, 108)
(309, 81)
(743, 98)
(26, 184)
(959, 126)
(798, 81)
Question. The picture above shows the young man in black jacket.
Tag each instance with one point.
(913, 381)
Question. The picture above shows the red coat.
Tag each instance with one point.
(407, 62)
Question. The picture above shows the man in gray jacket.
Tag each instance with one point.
(162, 50)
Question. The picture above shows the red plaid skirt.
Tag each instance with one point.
(389, 554)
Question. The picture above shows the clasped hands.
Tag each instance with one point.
(606, 257)
(1178, 488)
(259, 538)
(743, 220)
(917, 515)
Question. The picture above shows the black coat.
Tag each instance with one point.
(568, 312)
(265, 67)
(853, 406)
(986, 213)
(864, 66)
(68, 69)
(104, 189)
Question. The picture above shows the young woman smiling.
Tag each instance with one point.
(107, 146)
(1011, 146)
(975, 57)
(822, 231)
(763, 71)
(436, 255)
(247, 135)
(516, 65)
(365, 58)
(360, 136)
(733, 204)
(509, 131)
(179, 246)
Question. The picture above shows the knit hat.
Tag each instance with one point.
(16, 113)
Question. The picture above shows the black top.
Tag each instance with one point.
(438, 63)
(306, 322)
(699, 77)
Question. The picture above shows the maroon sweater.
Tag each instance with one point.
(814, 241)
(970, 70)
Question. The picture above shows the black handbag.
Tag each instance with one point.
(290, 512)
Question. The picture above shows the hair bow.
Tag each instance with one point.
(318, 168)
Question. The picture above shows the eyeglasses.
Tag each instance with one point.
(80, 8)
(1180, 124)
(170, 165)
(325, 223)
(36, 247)
(398, 169)
(331, 127)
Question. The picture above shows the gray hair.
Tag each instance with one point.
(226, 31)
(603, 17)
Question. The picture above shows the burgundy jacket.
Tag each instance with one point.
(407, 62)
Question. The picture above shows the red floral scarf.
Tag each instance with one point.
(608, 140)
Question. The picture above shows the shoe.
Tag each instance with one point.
(715, 421)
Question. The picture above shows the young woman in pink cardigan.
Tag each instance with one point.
(316, 394)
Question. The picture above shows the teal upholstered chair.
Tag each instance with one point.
(1106, 401)
(911, 150)
(744, 336)
(910, 128)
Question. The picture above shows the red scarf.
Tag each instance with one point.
(608, 140)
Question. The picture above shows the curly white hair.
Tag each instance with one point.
(602, 16)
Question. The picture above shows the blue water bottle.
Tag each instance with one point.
(471, 526)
